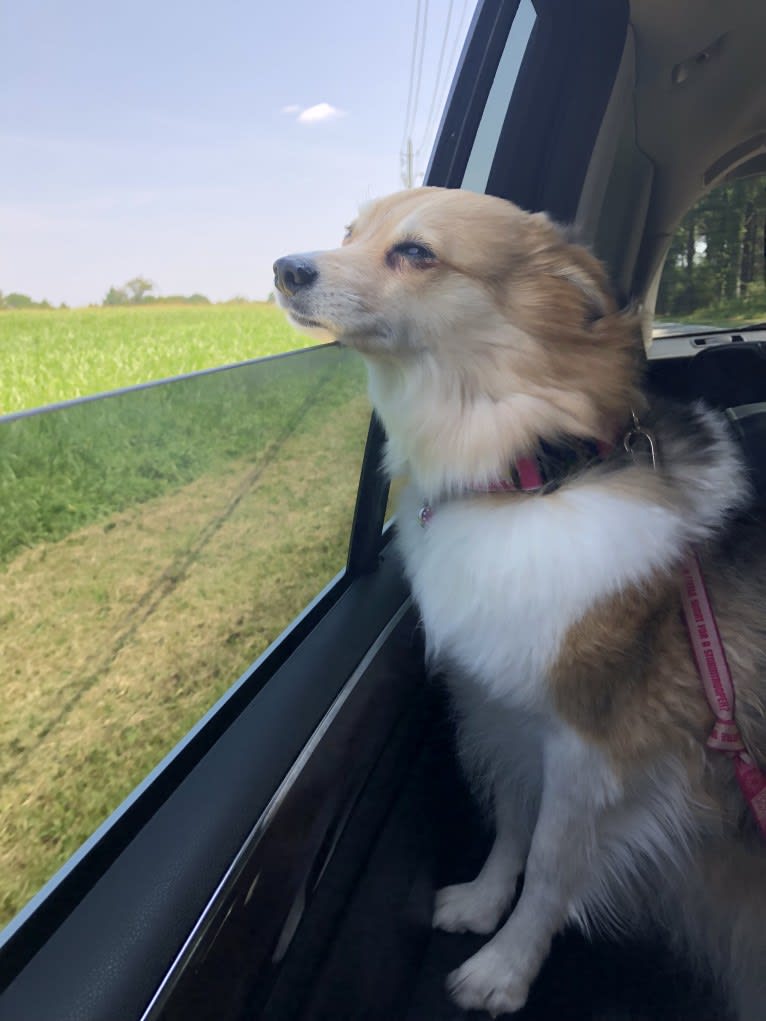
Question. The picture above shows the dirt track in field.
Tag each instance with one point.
(115, 640)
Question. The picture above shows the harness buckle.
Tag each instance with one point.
(638, 434)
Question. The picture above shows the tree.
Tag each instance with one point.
(137, 289)
(15, 300)
(21, 301)
(718, 253)
(116, 296)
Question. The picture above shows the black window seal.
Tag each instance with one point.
(371, 500)
(558, 103)
(471, 84)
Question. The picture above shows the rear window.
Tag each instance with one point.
(715, 271)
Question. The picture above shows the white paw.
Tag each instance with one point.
(468, 908)
(488, 982)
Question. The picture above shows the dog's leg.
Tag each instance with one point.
(577, 786)
(479, 905)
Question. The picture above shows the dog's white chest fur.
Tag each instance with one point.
(499, 581)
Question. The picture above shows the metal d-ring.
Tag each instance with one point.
(638, 432)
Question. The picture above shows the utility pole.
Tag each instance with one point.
(408, 176)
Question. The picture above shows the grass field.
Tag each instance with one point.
(733, 313)
(49, 356)
(65, 469)
(151, 546)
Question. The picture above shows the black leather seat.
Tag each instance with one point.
(749, 424)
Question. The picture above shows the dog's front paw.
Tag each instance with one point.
(468, 907)
(488, 982)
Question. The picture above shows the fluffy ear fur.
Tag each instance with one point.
(582, 270)
(597, 305)
(572, 234)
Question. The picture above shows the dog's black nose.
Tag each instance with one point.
(293, 272)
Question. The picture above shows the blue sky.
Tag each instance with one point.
(166, 139)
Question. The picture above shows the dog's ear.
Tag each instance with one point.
(571, 233)
(598, 302)
(566, 257)
(591, 281)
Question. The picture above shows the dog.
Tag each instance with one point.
(492, 340)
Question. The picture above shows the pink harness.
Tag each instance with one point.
(713, 668)
(706, 643)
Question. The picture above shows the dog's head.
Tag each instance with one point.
(465, 305)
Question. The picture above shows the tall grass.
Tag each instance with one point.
(50, 356)
(62, 470)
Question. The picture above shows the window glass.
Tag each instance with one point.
(152, 544)
(715, 272)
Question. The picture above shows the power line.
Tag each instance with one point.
(420, 34)
(437, 81)
(459, 35)
(420, 67)
(409, 154)
(412, 74)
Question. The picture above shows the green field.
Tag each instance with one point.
(730, 314)
(151, 546)
(49, 356)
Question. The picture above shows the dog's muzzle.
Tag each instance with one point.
(294, 273)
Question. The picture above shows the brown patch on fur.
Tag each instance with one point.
(625, 677)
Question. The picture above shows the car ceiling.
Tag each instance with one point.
(700, 98)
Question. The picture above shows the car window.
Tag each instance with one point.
(152, 544)
(715, 273)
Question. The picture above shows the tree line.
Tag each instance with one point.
(718, 254)
(15, 300)
(137, 291)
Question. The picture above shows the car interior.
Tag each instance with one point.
(282, 864)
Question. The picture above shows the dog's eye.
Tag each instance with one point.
(413, 251)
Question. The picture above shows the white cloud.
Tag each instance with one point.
(320, 112)
(313, 114)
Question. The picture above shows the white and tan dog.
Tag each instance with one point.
(491, 340)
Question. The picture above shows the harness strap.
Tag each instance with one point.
(710, 657)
